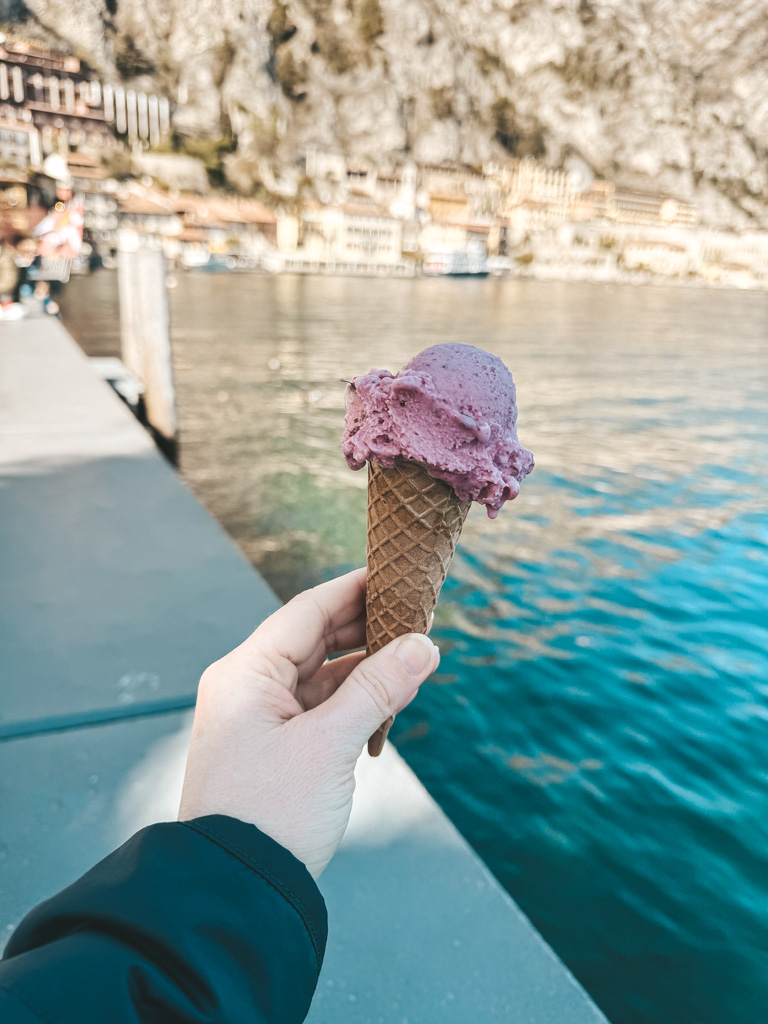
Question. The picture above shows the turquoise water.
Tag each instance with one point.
(599, 726)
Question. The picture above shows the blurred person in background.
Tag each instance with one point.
(26, 254)
(9, 279)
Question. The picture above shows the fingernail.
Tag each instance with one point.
(416, 652)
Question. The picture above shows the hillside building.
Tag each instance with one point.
(607, 201)
(20, 144)
(150, 214)
(532, 197)
(355, 231)
(224, 225)
(68, 105)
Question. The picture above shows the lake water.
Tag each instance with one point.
(599, 726)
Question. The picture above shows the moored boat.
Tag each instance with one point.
(459, 263)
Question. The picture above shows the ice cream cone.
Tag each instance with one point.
(414, 523)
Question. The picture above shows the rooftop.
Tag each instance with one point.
(192, 235)
(145, 207)
(450, 197)
(36, 53)
(221, 210)
(365, 210)
(142, 200)
(81, 165)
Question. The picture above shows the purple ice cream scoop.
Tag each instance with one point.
(452, 409)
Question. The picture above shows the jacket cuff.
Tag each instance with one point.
(202, 921)
(275, 865)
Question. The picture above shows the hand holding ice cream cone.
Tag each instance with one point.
(279, 728)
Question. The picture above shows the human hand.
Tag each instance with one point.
(278, 729)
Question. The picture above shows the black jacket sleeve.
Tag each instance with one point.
(207, 920)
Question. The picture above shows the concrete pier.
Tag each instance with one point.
(117, 589)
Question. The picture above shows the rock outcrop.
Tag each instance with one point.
(663, 94)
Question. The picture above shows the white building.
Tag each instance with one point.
(71, 107)
(359, 232)
(148, 213)
(534, 197)
(20, 144)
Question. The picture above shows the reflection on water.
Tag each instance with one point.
(597, 728)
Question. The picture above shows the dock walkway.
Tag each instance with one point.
(116, 590)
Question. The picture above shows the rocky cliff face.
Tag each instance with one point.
(664, 94)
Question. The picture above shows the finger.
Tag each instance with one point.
(297, 632)
(327, 680)
(348, 637)
(377, 688)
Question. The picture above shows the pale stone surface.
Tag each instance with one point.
(638, 90)
(118, 589)
(185, 173)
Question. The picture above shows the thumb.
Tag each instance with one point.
(379, 687)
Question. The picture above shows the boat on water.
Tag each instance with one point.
(214, 262)
(459, 263)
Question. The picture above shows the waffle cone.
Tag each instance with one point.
(414, 523)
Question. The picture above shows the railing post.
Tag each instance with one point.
(145, 335)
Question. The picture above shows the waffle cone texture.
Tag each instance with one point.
(414, 523)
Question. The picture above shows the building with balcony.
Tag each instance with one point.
(68, 104)
(532, 197)
(450, 180)
(149, 213)
(607, 201)
(449, 206)
(227, 224)
(20, 144)
(361, 232)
